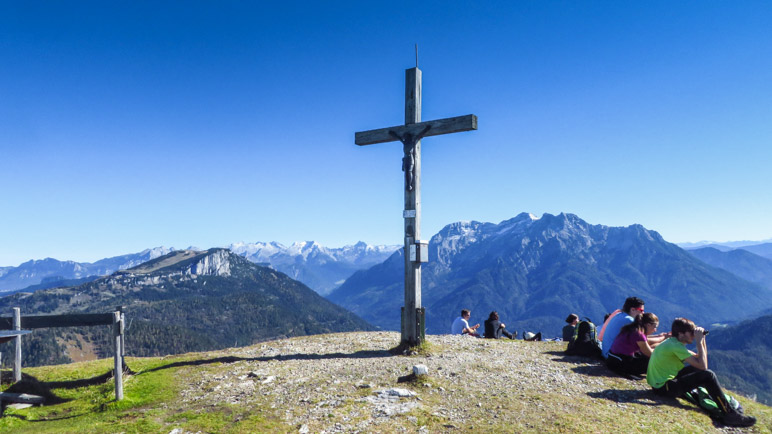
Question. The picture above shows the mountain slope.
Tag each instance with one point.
(740, 262)
(764, 250)
(742, 356)
(192, 301)
(536, 271)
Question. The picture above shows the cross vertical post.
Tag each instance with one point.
(410, 332)
(410, 135)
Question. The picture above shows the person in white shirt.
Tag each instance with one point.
(461, 325)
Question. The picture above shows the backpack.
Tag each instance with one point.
(700, 397)
(584, 342)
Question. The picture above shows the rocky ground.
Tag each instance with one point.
(349, 383)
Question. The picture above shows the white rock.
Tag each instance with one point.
(399, 392)
(420, 370)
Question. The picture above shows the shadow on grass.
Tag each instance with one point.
(32, 386)
(646, 397)
(635, 396)
(280, 358)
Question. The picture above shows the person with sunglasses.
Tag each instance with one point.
(629, 355)
(633, 307)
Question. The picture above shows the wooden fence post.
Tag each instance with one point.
(118, 366)
(123, 335)
(17, 359)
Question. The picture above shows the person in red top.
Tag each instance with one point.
(630, 352)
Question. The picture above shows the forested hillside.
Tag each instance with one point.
(181, 302)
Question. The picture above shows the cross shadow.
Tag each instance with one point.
(561, 356)
(371, 354)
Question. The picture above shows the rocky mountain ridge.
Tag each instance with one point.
(534, 271)
(321, 268)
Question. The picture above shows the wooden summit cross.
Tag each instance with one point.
(410, 135)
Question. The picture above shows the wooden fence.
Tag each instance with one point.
(116, 319)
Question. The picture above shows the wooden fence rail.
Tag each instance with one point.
(116, 319)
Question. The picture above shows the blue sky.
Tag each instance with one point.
(128, 125)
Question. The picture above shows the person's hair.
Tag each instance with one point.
(640, 323)
(464, 312)
(493, 316)
(632, 302)
(681, 325)
(571, 318)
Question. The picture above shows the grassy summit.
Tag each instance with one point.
(347, 382)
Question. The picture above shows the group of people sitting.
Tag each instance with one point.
(494, 328)
(630, 347)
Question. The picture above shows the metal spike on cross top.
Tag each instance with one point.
(410, 135)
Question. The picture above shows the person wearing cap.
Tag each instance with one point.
(674, 370)
(461, 325)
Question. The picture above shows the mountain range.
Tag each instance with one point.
(180, 302)
(321, 268)
(34, 272)
(535, 271)
(763, 249)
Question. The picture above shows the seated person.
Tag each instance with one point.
(630, 351)
(494, 328)
(633, 307)
(568, 330)
(674, 370)
(461, 326)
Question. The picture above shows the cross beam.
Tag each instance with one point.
(437, 127)
(410, 135)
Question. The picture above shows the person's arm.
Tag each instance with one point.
(655, 340)
(699, 360)
(472, 329)
(644, 347)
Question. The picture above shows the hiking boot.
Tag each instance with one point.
(737, 419)
(514, 335)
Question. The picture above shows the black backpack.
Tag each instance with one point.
(584, 341)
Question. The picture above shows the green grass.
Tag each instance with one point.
(149, 404)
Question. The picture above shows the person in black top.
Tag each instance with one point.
(494, 328)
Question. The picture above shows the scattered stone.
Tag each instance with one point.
(420, 370)
(398, 392)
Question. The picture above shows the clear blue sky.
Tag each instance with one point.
(130, 124)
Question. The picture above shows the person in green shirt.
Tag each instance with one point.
(674, 370)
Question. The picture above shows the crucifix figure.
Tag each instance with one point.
(410, 135)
